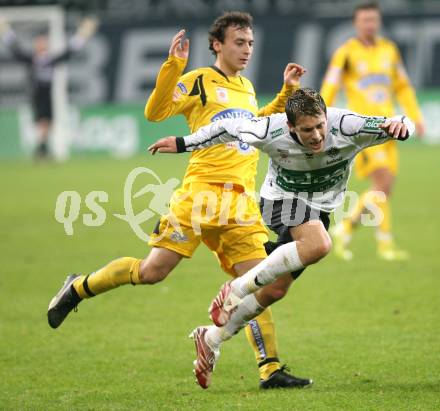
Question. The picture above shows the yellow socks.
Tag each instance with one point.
(385, 225)
(118, 272)
(373, 201)
(386, 249)
(370, 200)
(261, 335)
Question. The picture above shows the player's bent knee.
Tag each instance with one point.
(320, 249)
(324, 247)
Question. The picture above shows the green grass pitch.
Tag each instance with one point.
(367, 332)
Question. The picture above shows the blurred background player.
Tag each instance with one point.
(203, 96)
(41, 63)
(370, 69)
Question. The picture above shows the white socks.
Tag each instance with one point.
(246, 310)
(284, 259)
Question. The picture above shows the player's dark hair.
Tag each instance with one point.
(304, 102)
(217, 31)
(368, 5)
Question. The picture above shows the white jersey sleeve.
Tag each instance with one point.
(253, 131)
(365, 131)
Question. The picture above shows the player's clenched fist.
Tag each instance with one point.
(396, 129)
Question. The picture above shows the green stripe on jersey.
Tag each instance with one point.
(310, 181)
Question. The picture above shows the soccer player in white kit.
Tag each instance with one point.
(311, 150)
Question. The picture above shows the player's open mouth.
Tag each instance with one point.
(316, 145)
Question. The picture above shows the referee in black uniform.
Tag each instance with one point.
(41, 64)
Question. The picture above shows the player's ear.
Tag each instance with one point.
(290, 125)
(216, 45)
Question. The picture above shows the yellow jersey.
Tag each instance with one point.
(205, 95)
(372, 77)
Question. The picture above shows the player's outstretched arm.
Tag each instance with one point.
(192, 142)
(87, 28)
(10, 40)
(252, 131)
(214, 133)
(167, 99)
(4, 26)
(369, 131)
(7, 35)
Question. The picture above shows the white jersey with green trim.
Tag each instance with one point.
(319, 179)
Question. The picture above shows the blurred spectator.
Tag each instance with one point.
(41, 64)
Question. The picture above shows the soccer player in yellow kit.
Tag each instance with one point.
(371, 71)
(225, 171)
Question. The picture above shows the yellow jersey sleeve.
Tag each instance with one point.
(404, 91)
(170, 96)
(278, 104)
(205, 95)
(333, 76)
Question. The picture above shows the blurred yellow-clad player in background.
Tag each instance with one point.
(370, 69)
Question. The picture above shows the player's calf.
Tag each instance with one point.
(159, 263)
(276, 291)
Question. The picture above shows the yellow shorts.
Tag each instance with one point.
(376, 157)
(224, 217)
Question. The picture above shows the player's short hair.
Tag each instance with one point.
(217, 31)
(304, 102)
(367, 5)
